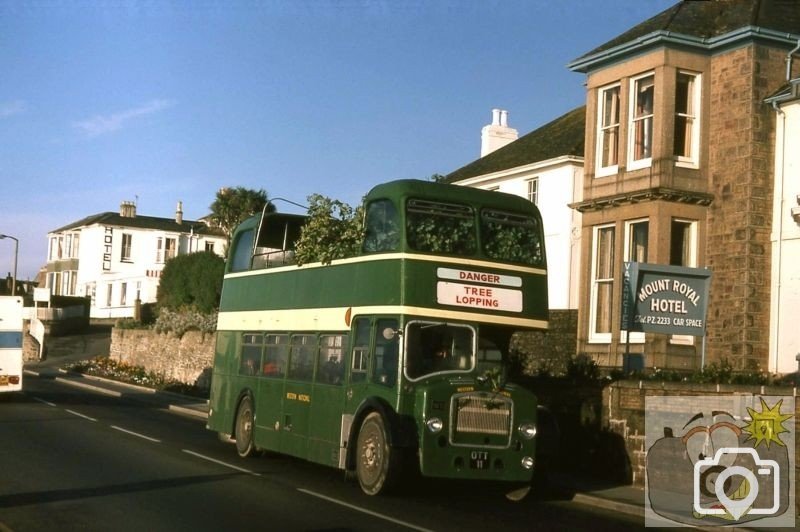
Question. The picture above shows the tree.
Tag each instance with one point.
(233, 205)
(193, 280)
(334, 230)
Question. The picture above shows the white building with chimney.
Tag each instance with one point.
(116, 258)
(546, 167)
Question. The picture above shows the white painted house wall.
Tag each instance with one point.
(559, 184)
(114, 284)
(785, 279)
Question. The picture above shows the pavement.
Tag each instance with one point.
(625, 499)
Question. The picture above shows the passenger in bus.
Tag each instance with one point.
(271, 368)
(332, 371)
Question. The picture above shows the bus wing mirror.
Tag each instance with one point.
(389, 333)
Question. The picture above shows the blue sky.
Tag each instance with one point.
(157, 101)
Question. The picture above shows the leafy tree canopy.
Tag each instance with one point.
(193, 280)
(334, 230)
(232, 206)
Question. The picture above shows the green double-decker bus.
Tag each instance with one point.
(395, 357)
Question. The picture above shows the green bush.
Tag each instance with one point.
(193, 280)
(334, 230)
(182, 320)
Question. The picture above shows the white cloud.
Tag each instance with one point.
(102, 124)
(12, 108)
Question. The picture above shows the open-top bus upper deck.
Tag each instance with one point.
(476, 256)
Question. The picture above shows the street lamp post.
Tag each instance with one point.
(16, 254)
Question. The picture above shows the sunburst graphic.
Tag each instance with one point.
(767, 425)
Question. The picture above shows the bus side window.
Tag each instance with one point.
(301, 359)
(386, 354)
(360, 358)
(250, 360)
(381, 229)
(276, 353)
(330, 366)
(242, 251)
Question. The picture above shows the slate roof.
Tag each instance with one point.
(142, 222)
(704, 24)
(562, 136)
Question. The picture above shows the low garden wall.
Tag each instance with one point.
(187, 358)
(623, 413)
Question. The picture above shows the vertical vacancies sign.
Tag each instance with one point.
(664, 299)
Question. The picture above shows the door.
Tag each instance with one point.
(297, 395)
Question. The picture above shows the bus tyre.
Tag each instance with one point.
(243, 431)
(377, 463)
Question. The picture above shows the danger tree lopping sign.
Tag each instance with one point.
(664, 299)
(490, 294)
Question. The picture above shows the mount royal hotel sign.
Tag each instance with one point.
(664, 299)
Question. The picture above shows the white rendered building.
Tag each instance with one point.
(784, 337)
(117, 257)
(546, 167)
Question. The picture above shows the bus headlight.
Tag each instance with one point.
(435, 425)
(527, 462)
(528, 430)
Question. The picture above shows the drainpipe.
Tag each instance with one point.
(779, 237)
(789, 62)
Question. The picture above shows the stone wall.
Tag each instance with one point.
(186, 359)
(549, 350)
(740, 154)
(623, 412)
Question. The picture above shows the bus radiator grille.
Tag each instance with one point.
(482, 415)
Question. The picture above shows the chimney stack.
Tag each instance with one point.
(497, 134)
(179, 213)
(127, 209)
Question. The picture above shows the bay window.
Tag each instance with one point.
(608, 131)
(640, 126)
(602, 284)
(687, 106)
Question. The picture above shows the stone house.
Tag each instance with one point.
(679, 170)
(116, 258)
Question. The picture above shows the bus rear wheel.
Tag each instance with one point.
(377, 463)
(243, 430)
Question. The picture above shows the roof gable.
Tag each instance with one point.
(562, 136)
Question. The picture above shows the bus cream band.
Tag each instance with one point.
(394, 256)
(478, 297)
(332, 319)
(478, 277)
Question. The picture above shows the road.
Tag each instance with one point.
(71, 459)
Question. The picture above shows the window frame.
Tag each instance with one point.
(602, 129)
(633, 120)
(594, 335)
(694, 102)
(532, 192)
(636, 337)
(685, 339)
(126, 251)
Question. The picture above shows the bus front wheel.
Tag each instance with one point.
(243, 431)
(377, 462)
